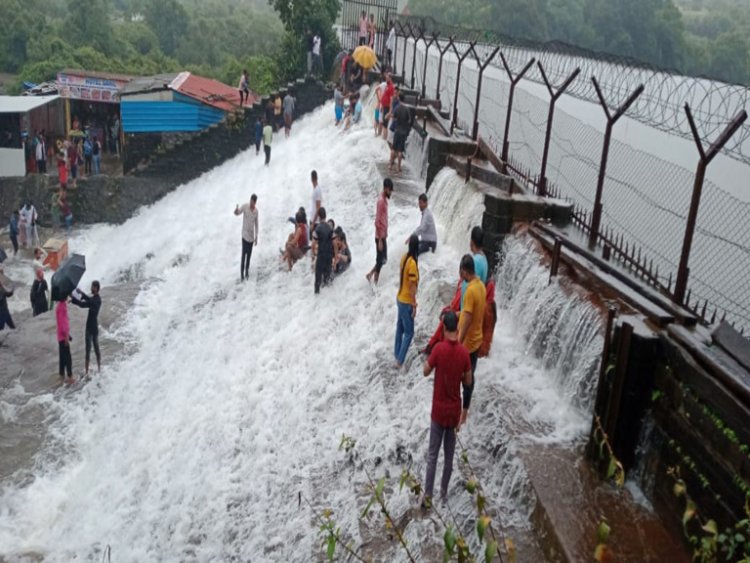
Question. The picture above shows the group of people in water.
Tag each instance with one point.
(464, 330)
(463, 335)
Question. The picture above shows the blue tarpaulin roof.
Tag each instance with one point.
(180, 114)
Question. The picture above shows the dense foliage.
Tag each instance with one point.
(215, 38)
(702, 37)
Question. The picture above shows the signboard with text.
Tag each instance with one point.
(90, 89)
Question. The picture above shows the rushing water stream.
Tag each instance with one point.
(233, 397)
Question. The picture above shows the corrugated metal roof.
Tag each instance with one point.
(23, 104)
(148, 83)
(174, 116)
(208, 91)
(96, 74)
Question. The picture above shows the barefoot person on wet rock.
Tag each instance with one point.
(249, 213)
(381, 231)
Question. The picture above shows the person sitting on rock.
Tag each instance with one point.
(297, 244)
(342, 256)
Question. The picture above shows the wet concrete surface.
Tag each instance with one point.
(29, 373)
(572, 501)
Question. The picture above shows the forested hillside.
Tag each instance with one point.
(703, 37)
(212, 37)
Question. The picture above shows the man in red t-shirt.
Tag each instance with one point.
(452, 365)
(385, 102)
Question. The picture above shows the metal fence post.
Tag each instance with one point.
(426, 58)
(400, 32)
(513, 82)
(443, 50)
(403, 61)
(596, 217)
(706, 156)
(554, 96)
(461, 59)
(414, 56)
(482, 66)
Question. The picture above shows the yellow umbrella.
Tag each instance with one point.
(365, 57)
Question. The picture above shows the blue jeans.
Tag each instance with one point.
(404, 331)
(97, 163)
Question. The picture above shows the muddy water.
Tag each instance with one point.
(30, 390)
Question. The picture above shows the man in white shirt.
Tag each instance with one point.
(317, 61)
(426, 231)
(41, 155)
(317, 200)
(249, 214)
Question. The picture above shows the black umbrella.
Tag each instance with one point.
(66, 279)
(3, 256)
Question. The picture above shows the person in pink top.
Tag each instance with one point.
(381, 231)
(363, 27)
(63, 340)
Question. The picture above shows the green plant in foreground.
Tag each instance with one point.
(709, 544)
(455, 545)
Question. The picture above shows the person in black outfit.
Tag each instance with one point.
(38, 295)
(93, 303)
(5, 318)
(322, 250)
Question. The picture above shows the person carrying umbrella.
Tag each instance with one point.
(93, 303)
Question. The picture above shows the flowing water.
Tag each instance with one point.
(233, 397)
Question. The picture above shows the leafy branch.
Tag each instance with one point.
(704, 535)
(455, 544)
(615, 470)
(330, 531)
(378, 496)
(484, 522)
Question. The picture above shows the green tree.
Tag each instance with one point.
(317, 16)
(139, 36)
(169, 20)
(262, 70)
(729, 60)
(88, 23)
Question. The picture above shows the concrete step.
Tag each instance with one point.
(572, 501)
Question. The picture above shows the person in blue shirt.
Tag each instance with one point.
(258, 134)
(354, 112)
(88, 154)
(480, 260)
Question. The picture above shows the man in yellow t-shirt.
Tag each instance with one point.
(470, 322)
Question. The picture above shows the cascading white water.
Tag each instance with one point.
(459, 208)
(561, 328)
(233, 397)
